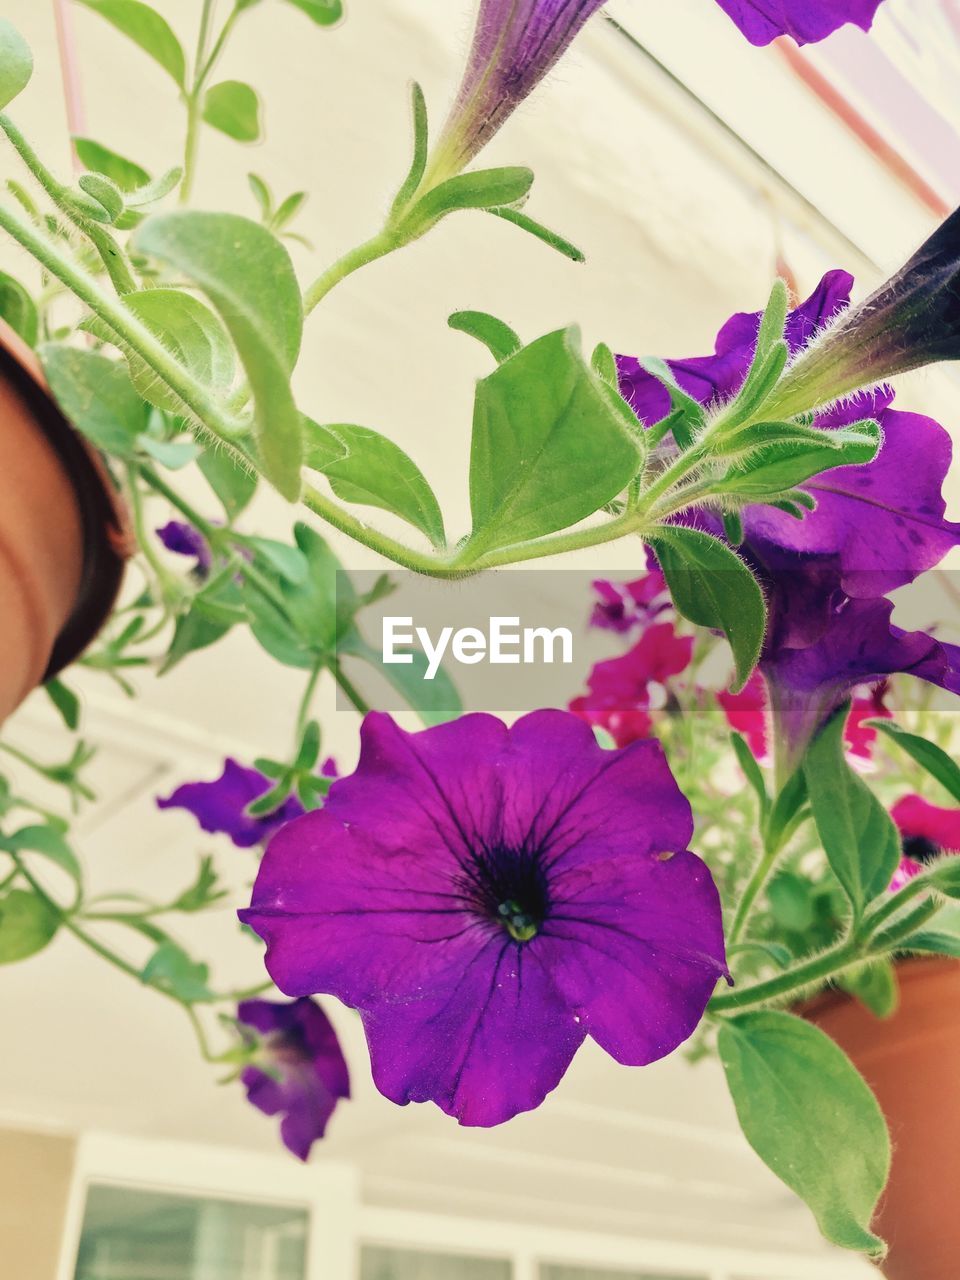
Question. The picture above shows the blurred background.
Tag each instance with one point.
(691, 168)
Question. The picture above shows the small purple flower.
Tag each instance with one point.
(302, 1073)
(806, 20)
(515, 44)
(184, 540)
(487, 897)
(876, 527)
(220, 806)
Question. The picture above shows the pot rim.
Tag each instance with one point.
(108, 540)
(908, 968)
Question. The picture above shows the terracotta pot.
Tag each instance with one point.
(64, 533)
(912, 1061)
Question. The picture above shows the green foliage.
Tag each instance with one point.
(18, 309)
(712, 587)
(233, 108)
(324, 12)
(478, 189)
(96, 394)
(776, 456)
(172, 971)
(499, 339)
(365, 467)
(875, 986)
(858, 835)
(248, 276)
(146, 28)
(126, 174)
(16, 63)
(811, 1117)
(928, 755)
(27, 924)
(552, 444)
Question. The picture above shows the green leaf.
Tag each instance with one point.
(204, 891)
(126, 174)
(788, 810)
(811, 1118)
(324, 12)
(754, 774)
(927, 754)
(156, 188)
(27, 925)
(791, 902)
(233, 108)
(172, 454)
(289, 562)
(858, 835)
(49, 843)
(96, 394)
(686, 415)
(552, 444)
(712, 587)
(289, 209)
(66, 702)
(875, 986)
(770, 465)
(933, 942)
(478, 189)
(375, 472)
(188, 329)
(307, 630)
(106, 193)
(944, 876)
(170, 969)
(421, 146)
(248, 276)
(497, 337)
(146, 28)
(436, 701)
(193, 631)
(233, 484)
(16, 63)
(18, 309)
(538, 230)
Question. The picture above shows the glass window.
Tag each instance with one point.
(145, 1235)
(590, 1273)
(401, 1264)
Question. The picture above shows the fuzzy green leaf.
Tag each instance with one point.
(146, 28)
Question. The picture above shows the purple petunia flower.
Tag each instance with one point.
(303, 1073)
(876, 527)
(621, 606)
(220, 806)
(515, 44)
(184, 540)
(487, 897)
(806, 20)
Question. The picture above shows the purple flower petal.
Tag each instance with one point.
(445, 891)
(184, 540)
(806, 20)
(308, 1073)
(220, 806)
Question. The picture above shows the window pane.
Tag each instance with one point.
(589, 1273)
(145, 1235)
(397, 1264)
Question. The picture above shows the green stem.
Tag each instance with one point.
(349, 689)
(218, 47)
(194, 106)
(133, 332)
(111, 254)
(376, 247)
(170, 587)
(159, 485)
(750, 894)
(303, 711)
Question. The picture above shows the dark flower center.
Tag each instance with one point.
(921, 848)
(509, 887)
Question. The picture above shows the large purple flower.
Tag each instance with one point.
(302, 1073)
(487, 897)
(515, 44)
(221, 806)
(806, 20)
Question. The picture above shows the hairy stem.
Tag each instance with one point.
(376, 247)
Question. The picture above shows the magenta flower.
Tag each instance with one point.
(298, 1070)
(221, 806)
(623, 691)
(621, 606)
(876, 527)
(487, 897)
(806, 20)
(184, 540)
(515, 44)
(927, 832)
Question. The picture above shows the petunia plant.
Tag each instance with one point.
(667, 864)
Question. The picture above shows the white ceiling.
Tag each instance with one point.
(679, 224)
